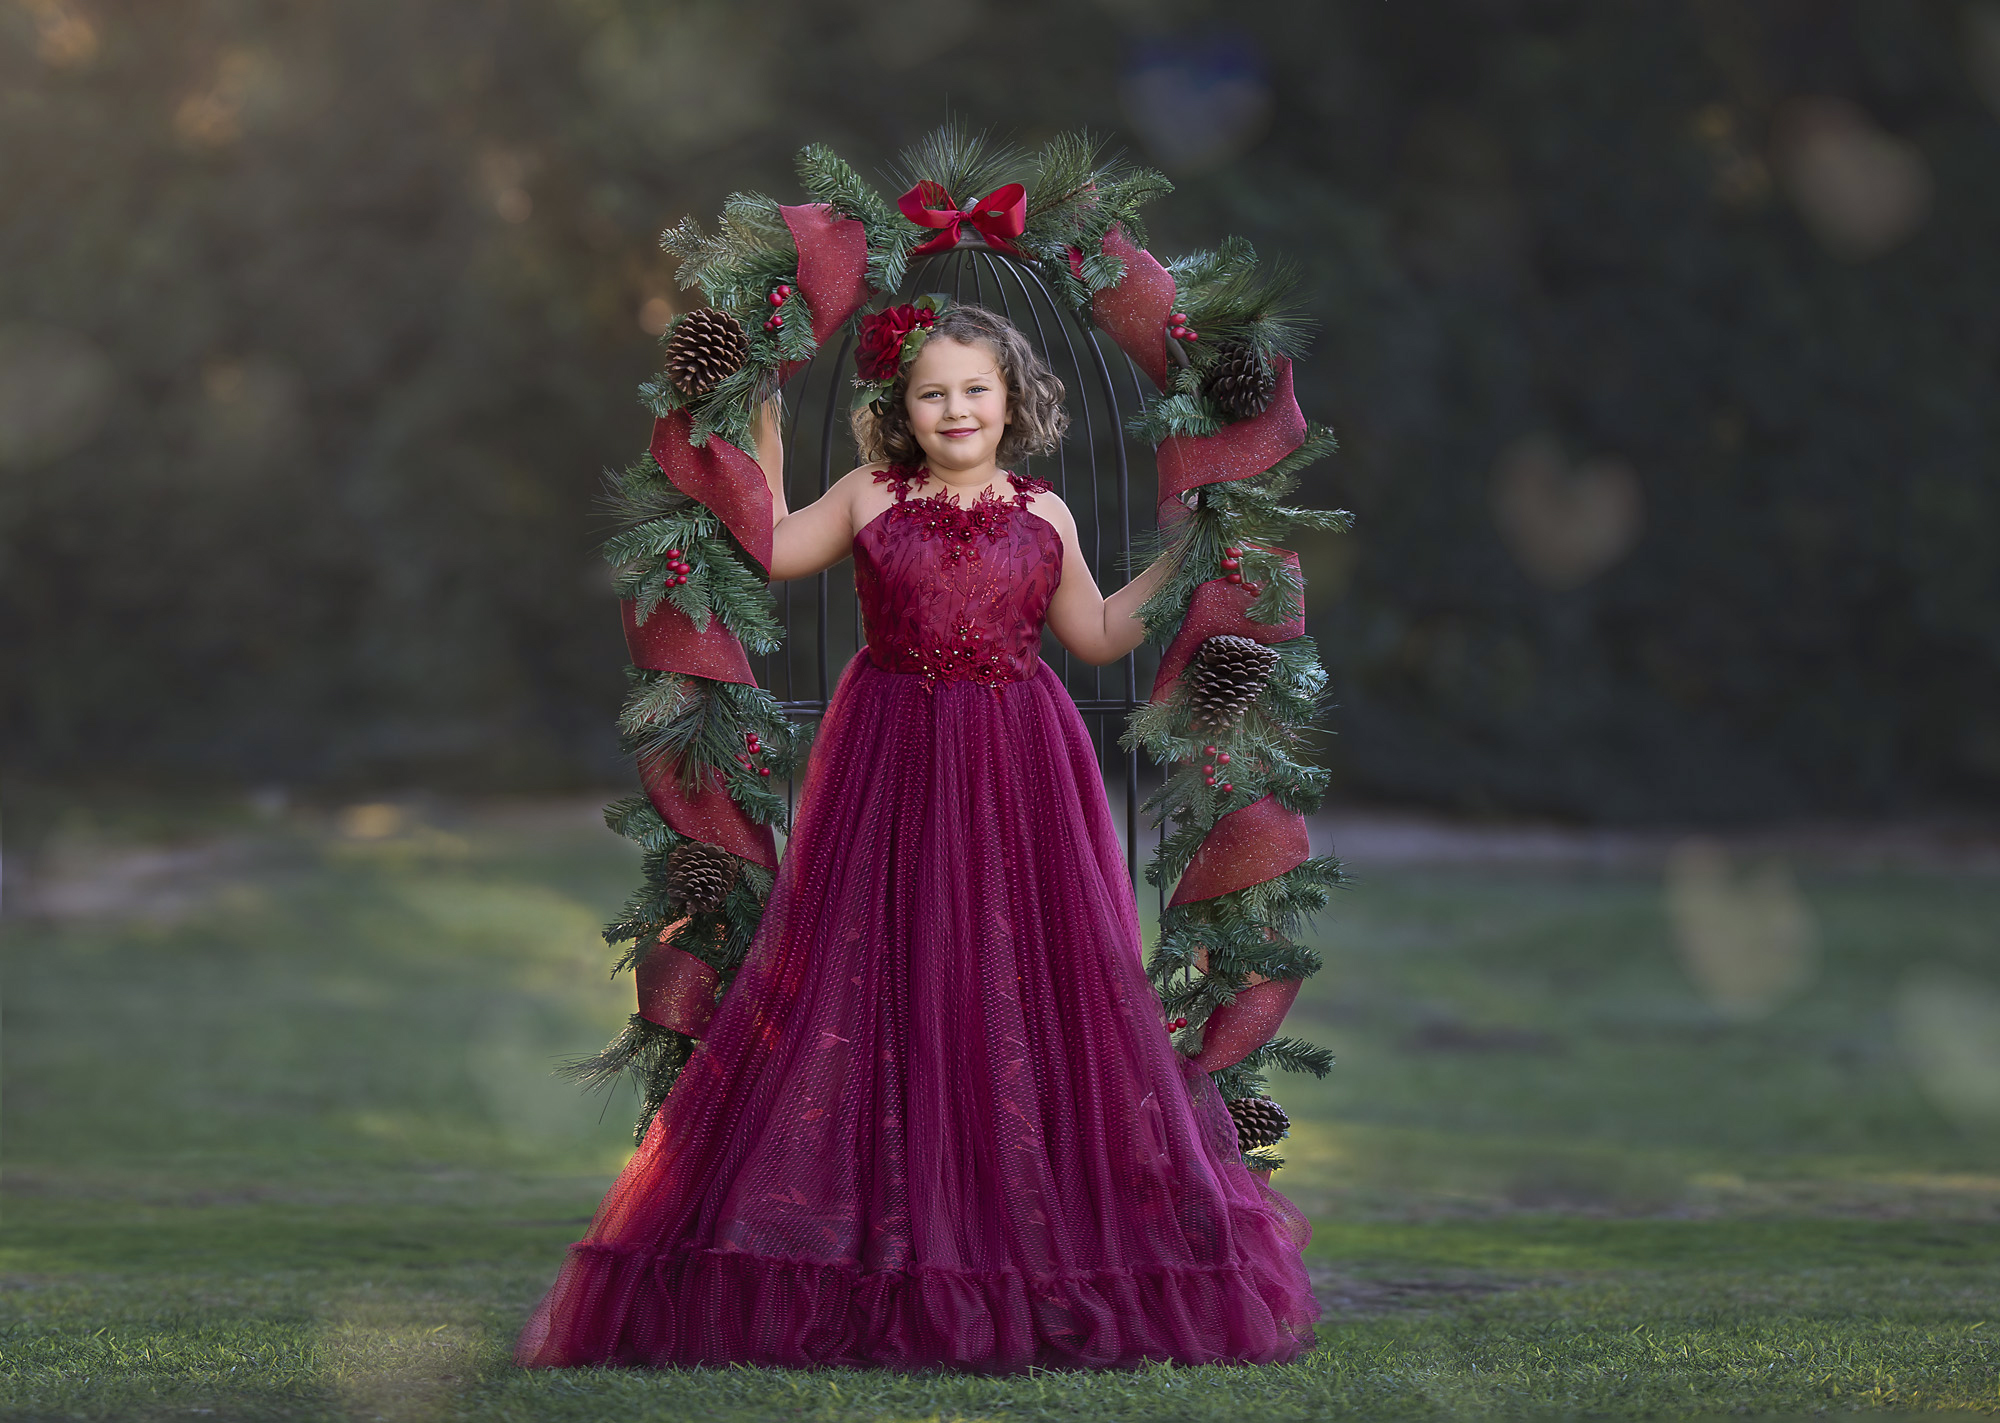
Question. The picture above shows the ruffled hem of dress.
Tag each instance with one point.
(717, 1307)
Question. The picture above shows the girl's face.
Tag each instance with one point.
(957, 401)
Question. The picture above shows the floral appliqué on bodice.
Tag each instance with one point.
(953, 592)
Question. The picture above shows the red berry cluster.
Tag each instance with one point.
(753, 749)
(1232, 568)
(1208, 772)
(1178, 328)
(1174, 1025)
(678, 568)
(779, 295)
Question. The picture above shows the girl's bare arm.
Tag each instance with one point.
(817, 536)
(1093, 627)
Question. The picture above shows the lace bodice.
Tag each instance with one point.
(955, 592)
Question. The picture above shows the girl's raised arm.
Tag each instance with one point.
(1094, 628)
(819, 535)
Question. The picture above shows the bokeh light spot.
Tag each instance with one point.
(248, 83)
(64, 37)
(1564, 524)
(1747, 942)
(1197, 100)
(654, 314)
(1860, 190)
(55, 391)
(1949, 1029)
(514, 205)
(376, 820)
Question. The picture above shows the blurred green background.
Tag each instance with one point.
(1662, 337)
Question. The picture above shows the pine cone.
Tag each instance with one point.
(700, 875)
(1259, 1122)
(1226, 675)
(1238, 382)
(707, 347)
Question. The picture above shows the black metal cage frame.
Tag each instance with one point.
(1092, 471)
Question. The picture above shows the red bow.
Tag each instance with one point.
(1001, 214)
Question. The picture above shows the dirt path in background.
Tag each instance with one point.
(1398, 840)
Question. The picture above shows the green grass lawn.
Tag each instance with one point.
(281, 1141)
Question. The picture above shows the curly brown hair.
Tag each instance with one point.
(1034, 395)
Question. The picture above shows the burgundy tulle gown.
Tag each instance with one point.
(936, 1120)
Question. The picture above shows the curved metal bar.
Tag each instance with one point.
(1041, 335)
(1128, 665)
(1131, 797)
(1123, 472)
(1139, 396)
(826, 481)
(971, 259)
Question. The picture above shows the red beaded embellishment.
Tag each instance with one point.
(942, 516)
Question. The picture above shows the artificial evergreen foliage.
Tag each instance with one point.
(1259, 1122)
(705, 348)
(643, 1051)
(1234, 300)
(1226, 675)
(1257, 703)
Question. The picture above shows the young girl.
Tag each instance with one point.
(937, 1119)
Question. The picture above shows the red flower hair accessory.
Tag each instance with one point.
(889, 341)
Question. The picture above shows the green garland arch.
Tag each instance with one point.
(693, 550)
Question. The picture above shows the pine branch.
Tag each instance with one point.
(640, 492)
(1228, 297)
(1176, 414)
(968, 165)
(725, 582)
(1066, 172)
(1291, 1055)
(700, 728)
(644, 1050)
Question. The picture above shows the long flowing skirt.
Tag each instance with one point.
(937, 1119)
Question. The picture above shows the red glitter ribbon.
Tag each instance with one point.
(833, 264)
(1240, 450)
(1239, 1028)
(1000, 215)
(708, 815)
(676, 990)
(667, 642)
(721, 476)
(1134, 313)
(1248, 846)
